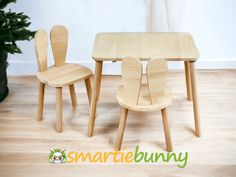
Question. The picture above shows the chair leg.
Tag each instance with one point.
(119, 138)
(59, 109)
(166, 129)
(73, 95)
(88, 88)
(40, 101)
(188, 80)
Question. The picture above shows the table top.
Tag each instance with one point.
(171, 46)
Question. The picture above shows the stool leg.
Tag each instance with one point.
(59, 109)
(119, 138)
(73, 95)
(40, 101)
(88, 88)
(166, 129)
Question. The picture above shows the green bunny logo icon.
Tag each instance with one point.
(57, 155)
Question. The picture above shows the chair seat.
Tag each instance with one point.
(144, 102)
(65, 75)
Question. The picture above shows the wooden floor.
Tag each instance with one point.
(25, 143)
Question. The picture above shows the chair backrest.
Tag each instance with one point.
(59, 43)
(131, 78)
(41, 49)
(157, 70)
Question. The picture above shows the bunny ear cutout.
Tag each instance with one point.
(41, 49)
(132, 78)
(157, 77)
(59, 43)
(63, 149)
(52, 150)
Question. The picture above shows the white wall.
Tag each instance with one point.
(213, 25)
(210, 21)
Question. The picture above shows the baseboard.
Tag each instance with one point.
(30, 68)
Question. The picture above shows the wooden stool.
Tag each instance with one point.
(133, 95)
(61, 74)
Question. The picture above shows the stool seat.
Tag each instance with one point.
(65, 75)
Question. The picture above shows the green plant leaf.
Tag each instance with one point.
(13, 27)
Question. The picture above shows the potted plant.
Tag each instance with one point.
(13, 27)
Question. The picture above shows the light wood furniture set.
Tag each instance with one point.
(144, 46)
(156, 48)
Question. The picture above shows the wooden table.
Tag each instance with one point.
(171, 46)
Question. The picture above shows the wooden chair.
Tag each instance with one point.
(59, 75)
(133, 95)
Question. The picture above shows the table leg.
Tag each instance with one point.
(195, 99)
(95, 96)
(188, 80)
